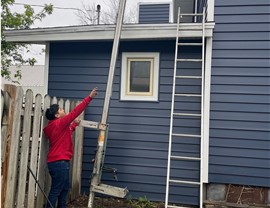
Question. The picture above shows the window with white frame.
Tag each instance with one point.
(139, 77)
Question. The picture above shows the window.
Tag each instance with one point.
(140, 73)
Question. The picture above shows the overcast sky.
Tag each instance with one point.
(65, 17)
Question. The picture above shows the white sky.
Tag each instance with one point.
(65, 17)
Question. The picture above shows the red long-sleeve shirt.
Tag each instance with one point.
(59, 132)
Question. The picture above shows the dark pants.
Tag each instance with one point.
(59, 171)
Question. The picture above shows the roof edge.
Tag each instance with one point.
(106, 32)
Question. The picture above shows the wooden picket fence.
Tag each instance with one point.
(24, 147)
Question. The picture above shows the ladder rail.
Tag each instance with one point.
(172, 111)
(171, 134)
(196, 10)
(102, 138)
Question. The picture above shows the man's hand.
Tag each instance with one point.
(93, 92)
(77, 121)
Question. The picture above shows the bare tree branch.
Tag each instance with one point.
(89, 14)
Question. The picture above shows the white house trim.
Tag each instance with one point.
(171, 12)
(206, 113)
(210, 12)
(155, 78)
(46, 68)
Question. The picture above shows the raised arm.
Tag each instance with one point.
(66, 120)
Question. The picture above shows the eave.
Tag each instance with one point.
(106, 32)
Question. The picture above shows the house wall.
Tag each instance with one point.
(162, 12)
(154, 13)
(240, 94)
(138, 131)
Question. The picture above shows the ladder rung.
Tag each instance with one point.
(188, 77)
(188, 95)
(191, 14)
(89, 124)
(187, 135)
(190, 44)
(186, 114)
(174, 206)
(185, 182)
(190, 60)
(185, 158)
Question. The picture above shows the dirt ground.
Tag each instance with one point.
(103, 202)
(236, 196)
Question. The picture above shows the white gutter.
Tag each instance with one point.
(106, 32)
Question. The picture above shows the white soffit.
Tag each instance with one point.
(106, 32)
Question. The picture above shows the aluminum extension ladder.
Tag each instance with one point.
(96, 186)
(172, 135)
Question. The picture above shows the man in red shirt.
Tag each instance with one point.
(59, 132)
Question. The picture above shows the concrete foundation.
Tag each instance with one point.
(237, 195)
(216, 192)
(269, 197)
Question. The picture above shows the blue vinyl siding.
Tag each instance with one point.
(240, 94)
(139, 131)
(154, 13)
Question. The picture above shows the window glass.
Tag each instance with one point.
(140, 72)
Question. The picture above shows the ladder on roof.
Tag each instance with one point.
(173, 135)
(96, 186)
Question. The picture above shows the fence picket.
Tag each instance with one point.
(54, 100)
(11, 90)
(72, 106)
(2, 103)
(34, 150)
(24, 148)
(42, 166)
(4, 123)
(61, 103)
(77, 161)
(67, 106)
(14, 150)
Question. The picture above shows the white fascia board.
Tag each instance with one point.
(106, 32)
